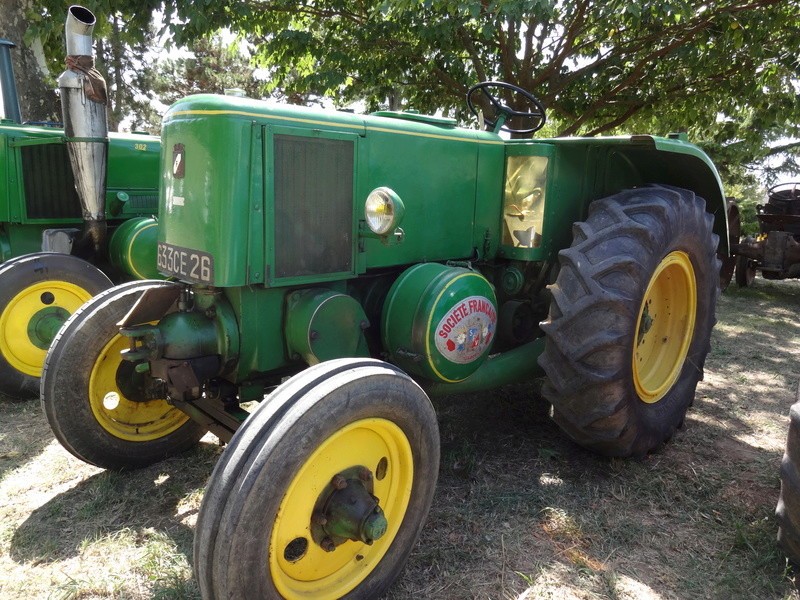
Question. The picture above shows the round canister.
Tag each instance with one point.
(132, 248)
(439, 321)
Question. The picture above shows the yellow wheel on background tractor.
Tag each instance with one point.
(99, 407)
(630, 319)
(38, 293)
(323, 490)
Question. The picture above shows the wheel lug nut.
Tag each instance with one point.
(364, 474)
(319, 519)
(339, 482)
(327, 544)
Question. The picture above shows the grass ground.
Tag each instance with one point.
(520, 512)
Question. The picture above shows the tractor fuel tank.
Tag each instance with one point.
(132, 248)
(439, 321)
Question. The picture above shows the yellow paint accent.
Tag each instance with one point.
(428, 329)
(671, 301)
(436, 136)
(329, 575)
(240, 113)
(15, 344)
(129, 252)
(128, 420)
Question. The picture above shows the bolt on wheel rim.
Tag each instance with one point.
(32, 318)
(137, 421)
(664, 327)
(301, 568)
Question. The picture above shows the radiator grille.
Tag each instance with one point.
(141, 203)
(49, 184)
(313, 205)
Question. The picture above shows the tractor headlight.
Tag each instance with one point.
(383, 210)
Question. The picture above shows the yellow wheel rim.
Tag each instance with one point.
(31, 319)
(328, 575)
(123, 417)
(665, 327)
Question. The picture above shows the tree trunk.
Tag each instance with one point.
(37, 99)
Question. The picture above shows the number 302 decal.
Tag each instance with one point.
(186, 264)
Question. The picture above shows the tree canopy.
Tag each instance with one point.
(725, 71)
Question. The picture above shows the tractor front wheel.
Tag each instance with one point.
(99, 407)
(323, 490)
(38, 293)
(630, 320)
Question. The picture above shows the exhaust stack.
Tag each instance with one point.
(8, 84)
(83, 106)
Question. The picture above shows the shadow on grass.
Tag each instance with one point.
(521, 511)
(142, 501)
(24, 432)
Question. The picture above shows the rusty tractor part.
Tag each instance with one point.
(776, 250)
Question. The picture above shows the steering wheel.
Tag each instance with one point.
(534, 118)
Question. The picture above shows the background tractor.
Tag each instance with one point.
(776, 250)
(351, 266)
(76, 208)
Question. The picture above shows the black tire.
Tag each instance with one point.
(734, 233)
(635, 243)
(745, 271)
(240, 510)
(106, 435)
(38, 292)
(788, 510)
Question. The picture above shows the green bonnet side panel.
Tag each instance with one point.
(211, 194)
(447, 178)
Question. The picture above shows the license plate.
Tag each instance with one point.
(186, 264)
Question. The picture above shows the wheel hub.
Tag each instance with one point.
(665, 327)
(44, 326)
(347, 509)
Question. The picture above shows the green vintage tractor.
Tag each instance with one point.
(348, 267)
(70, 224)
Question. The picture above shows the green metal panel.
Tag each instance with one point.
(263, 348)
(24, 239)
(133, 162)
(435, 171)
(488, 198)
(322, 324)
(210, 170)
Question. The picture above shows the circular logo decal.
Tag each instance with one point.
(465, 332)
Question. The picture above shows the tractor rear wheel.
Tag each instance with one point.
(630, 320)
(323, 490)
(38, 293)
(788, 510)
(98, 406)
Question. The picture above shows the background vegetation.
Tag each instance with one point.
(727, 72)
